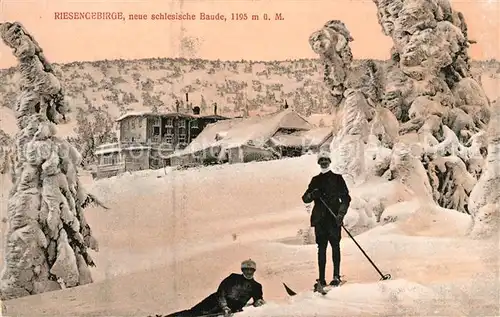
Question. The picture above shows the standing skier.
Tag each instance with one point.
(330, 189)
(232, 295)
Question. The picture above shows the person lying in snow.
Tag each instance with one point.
(233, 294)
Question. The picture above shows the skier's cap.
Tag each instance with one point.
(248, 264)
(324, 155)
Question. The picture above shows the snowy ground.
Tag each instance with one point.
(171, 236)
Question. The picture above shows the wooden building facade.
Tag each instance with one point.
(148, 138)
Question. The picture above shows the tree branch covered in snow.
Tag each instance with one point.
(48, 237)
(353, 90)
(332, 44)
(5, 152)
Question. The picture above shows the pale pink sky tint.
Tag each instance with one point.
(66, 41)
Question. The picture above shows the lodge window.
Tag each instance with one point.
(182, 131)
(182, 137)
(156, 130)
(194, 124)
(132, 121)
(108, 159)
(169, 135)
(169, 131)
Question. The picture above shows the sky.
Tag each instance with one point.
(83, 40)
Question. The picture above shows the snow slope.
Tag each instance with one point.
(171, 236)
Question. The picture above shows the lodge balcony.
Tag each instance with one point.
(152, 144)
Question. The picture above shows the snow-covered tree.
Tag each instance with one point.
(48, 239)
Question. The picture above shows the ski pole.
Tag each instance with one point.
(383, 277)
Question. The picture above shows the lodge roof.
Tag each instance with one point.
(255, 131)
(168, 114)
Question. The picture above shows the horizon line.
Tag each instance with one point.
(220, 60)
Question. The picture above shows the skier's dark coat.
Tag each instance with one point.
(333, 190)
(234, 292)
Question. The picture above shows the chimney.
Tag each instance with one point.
(196, 110)
(177, 106)
(187, 98)
(286, 104)
(215, 108)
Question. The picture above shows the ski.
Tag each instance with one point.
(317, 288)
(188, 313)
(289, 291)
(217, 315)
(323, 290)
(205, 315)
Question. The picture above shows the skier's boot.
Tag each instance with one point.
(319, 286)
(336, 281)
